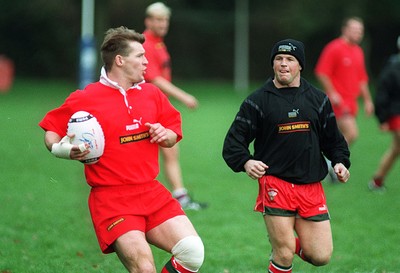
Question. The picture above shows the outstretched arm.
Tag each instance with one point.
(172, 90)
(329, 89)
(368, 104)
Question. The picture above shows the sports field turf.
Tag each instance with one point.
(45, 225)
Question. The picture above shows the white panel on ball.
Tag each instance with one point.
(87, 130)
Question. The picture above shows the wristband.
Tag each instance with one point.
(63, 148)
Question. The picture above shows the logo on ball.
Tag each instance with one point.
(87, 130)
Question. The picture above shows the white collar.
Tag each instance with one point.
(106, 81)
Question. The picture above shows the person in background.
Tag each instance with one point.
(159, 73)
(7, 73)
(130, 209)
(342, 73)
(387, 105)
(293, 127)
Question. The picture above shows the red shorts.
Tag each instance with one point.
(346, 107)
(282, 198)
(394, 123)
(117, 210)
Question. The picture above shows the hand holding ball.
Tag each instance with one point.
(87, 130)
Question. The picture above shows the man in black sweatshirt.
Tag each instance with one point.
(293, 127)
(387, 105)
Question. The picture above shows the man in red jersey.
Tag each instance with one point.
(342, 74)
(159, 73)
(130, 209)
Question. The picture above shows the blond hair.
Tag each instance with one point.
(158, 9)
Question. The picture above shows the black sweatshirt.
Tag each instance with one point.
(292, 130)
(387, 98)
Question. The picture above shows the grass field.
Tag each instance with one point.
(45, 225)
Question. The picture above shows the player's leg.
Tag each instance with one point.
(387, 162)
(173, 175)
(348, 126)
(124, 234)
(282, 239)
(172, 169)
(178, 236)
(315, 239)
(134, 252)
(314, 243)
(390, 156)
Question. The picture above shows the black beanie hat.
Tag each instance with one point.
(291, 47)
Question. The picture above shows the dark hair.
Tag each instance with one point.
(116, 42)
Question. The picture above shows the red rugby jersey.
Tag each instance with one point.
(158, 57)
(344, 64)
(129, 157)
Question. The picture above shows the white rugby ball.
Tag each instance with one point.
(87, 130)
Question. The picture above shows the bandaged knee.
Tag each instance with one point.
(189, 253)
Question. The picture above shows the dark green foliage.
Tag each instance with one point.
(42, 37)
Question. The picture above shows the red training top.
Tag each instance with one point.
(129, 157)
(158, 57)
(344, 64)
